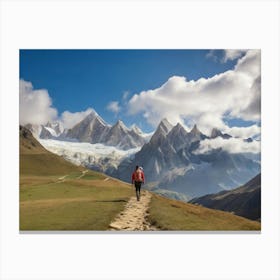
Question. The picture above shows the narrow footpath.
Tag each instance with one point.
(83, 174)
(134, 216)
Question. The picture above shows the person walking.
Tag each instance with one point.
(138, 178)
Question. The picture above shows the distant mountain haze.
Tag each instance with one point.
(217, 133)
(243, 201)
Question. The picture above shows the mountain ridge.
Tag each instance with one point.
(171, 164)
(243, 201)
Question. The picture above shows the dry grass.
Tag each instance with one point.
(168, 214)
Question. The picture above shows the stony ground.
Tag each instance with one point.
(134, 216)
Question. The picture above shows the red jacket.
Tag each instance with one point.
(135, 176)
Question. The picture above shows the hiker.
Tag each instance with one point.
(138, 178)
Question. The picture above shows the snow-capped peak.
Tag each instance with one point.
(93, 113)
(136, 129)
(165, 125)
(57, 127)
(93, 116)
(179, 127)
(120, 124)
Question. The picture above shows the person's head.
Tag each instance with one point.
(137, 166)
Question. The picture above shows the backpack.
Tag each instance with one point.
(138, 175)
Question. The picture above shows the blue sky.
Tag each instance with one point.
(78, 79)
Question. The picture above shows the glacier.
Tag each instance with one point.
(94, 156)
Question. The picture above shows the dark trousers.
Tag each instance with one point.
(137, 189)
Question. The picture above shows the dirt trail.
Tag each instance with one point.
(134, 216)
(83, 174)
(63, 178)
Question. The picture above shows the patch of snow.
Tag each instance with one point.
(97, 156)
(157, 167)
(51, 131)
(175, 172)
(147, 136)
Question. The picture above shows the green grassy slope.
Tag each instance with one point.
(74, 204)
(167, 214)
(57, 195)
(36, 160)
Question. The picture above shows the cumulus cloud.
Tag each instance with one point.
(231, 54)
(35, 106)
(114, 107)
(206, 101)
(224, 56)
(232, 145)
(70, 119)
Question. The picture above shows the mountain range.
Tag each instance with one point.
(170, 163)
(243, 201)
(169, 157)
(93, 129)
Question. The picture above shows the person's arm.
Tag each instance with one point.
(132, 178)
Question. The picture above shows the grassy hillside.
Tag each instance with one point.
(57, 195)
(36, 160)
(167, 214)
(73, 204)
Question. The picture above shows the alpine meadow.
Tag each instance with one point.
(140, 140)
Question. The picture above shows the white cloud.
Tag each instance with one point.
(234, 93)
(231, 54)
(125, 95)
(232, 145)
(225, 55)
(69, 119)
(114, 107)
(244, 132)
(35, 106)
(211, 55)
